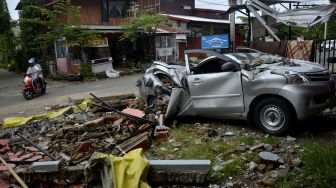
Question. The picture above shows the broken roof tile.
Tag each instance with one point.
(4, 142)
(134, 112)
(4, 168)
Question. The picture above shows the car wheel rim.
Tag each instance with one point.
(272, 117)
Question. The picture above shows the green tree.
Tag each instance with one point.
(313, 33)
(28, 35)
(4, 17)
(63, 21)
(7, 38)
(146, 22)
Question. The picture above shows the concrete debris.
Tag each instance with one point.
(165, 172)
(290, 139)
(252, 165)
(256, 147)
(73, 137)
(268, 147)
(229, 133)
(46, 166)
(268, 156)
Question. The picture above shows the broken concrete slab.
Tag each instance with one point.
(46, 166)
(256, 147)
(268, 156)
(178, 171)
(180, 165)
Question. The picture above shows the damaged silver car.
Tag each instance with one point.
(268, 90)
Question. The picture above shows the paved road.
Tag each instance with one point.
(13, 103)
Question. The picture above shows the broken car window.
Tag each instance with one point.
(204, 64)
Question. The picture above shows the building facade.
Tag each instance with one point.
(186, 26)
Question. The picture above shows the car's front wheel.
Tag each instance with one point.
(273, 115)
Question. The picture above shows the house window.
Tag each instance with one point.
(186, 7)
(178, 23)
(118, 9)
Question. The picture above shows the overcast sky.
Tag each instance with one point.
(207, 4)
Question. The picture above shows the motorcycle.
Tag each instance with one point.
(30, 91)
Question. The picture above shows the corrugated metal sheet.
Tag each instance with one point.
(196, 19)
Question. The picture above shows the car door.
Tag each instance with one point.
(216, 92)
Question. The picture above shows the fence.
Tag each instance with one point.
(325, 54)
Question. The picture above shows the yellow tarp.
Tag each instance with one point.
(16, 121)
(129, 171)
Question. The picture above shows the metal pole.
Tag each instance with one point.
(325, 30)
(36, 146)
(251, 26)
(290, 28)
(249, 34)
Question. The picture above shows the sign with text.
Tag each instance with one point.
(215, 41)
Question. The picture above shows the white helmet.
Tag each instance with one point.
(31, 60)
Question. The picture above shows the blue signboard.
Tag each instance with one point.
(215, 41)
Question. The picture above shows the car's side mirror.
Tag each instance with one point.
(230, 67)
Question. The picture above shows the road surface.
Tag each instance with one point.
(12, 103)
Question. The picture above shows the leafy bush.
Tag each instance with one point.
(86, 71)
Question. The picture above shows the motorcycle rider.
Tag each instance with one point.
(35, 71)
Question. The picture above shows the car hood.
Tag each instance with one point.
(294, 65)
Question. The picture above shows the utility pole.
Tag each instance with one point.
(232, 24)
(325, 30)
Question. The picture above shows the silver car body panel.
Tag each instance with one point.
(230, 94)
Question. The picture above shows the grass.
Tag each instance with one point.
(189, 144)
(248, 140)
(319, 169)
(320, 163)
(270, 140)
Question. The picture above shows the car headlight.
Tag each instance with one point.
(296, 78)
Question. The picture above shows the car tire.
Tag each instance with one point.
(273, 116)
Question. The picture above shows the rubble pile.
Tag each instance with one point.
(73, 137)
(265, 160)
(260, 160)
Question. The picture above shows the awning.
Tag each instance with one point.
(170, 30)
